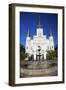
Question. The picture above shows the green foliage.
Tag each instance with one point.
(23, 55)
(51, 55)
(56, 50)
(22, 48)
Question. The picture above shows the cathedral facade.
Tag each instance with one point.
(40, 44)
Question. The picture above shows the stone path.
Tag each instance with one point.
(52, 71)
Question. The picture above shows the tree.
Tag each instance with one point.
(22, 48)
(56, 50)
(51, 55)
(23, 55)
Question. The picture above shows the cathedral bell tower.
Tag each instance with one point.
(39, 29)
(51, 41)
(28, 42)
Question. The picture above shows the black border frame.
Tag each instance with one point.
(12, 43)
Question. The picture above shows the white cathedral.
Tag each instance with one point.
(39, 45)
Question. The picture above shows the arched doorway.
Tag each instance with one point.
(39, 55)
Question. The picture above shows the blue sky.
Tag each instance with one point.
(49, 22)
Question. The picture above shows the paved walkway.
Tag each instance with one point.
(52, 71)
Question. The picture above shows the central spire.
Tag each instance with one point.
(28, 34)
(50, 32)
(39, 24)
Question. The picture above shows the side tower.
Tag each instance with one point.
(28, 43)
(51, 42)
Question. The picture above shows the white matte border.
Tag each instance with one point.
(19, 80)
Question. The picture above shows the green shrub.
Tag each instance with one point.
(51, 55)
(23, 55)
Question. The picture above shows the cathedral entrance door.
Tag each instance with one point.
(39, 55)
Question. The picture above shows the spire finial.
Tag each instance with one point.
(39, 21)
(28, 33)
(39, 24)
(50, 33)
